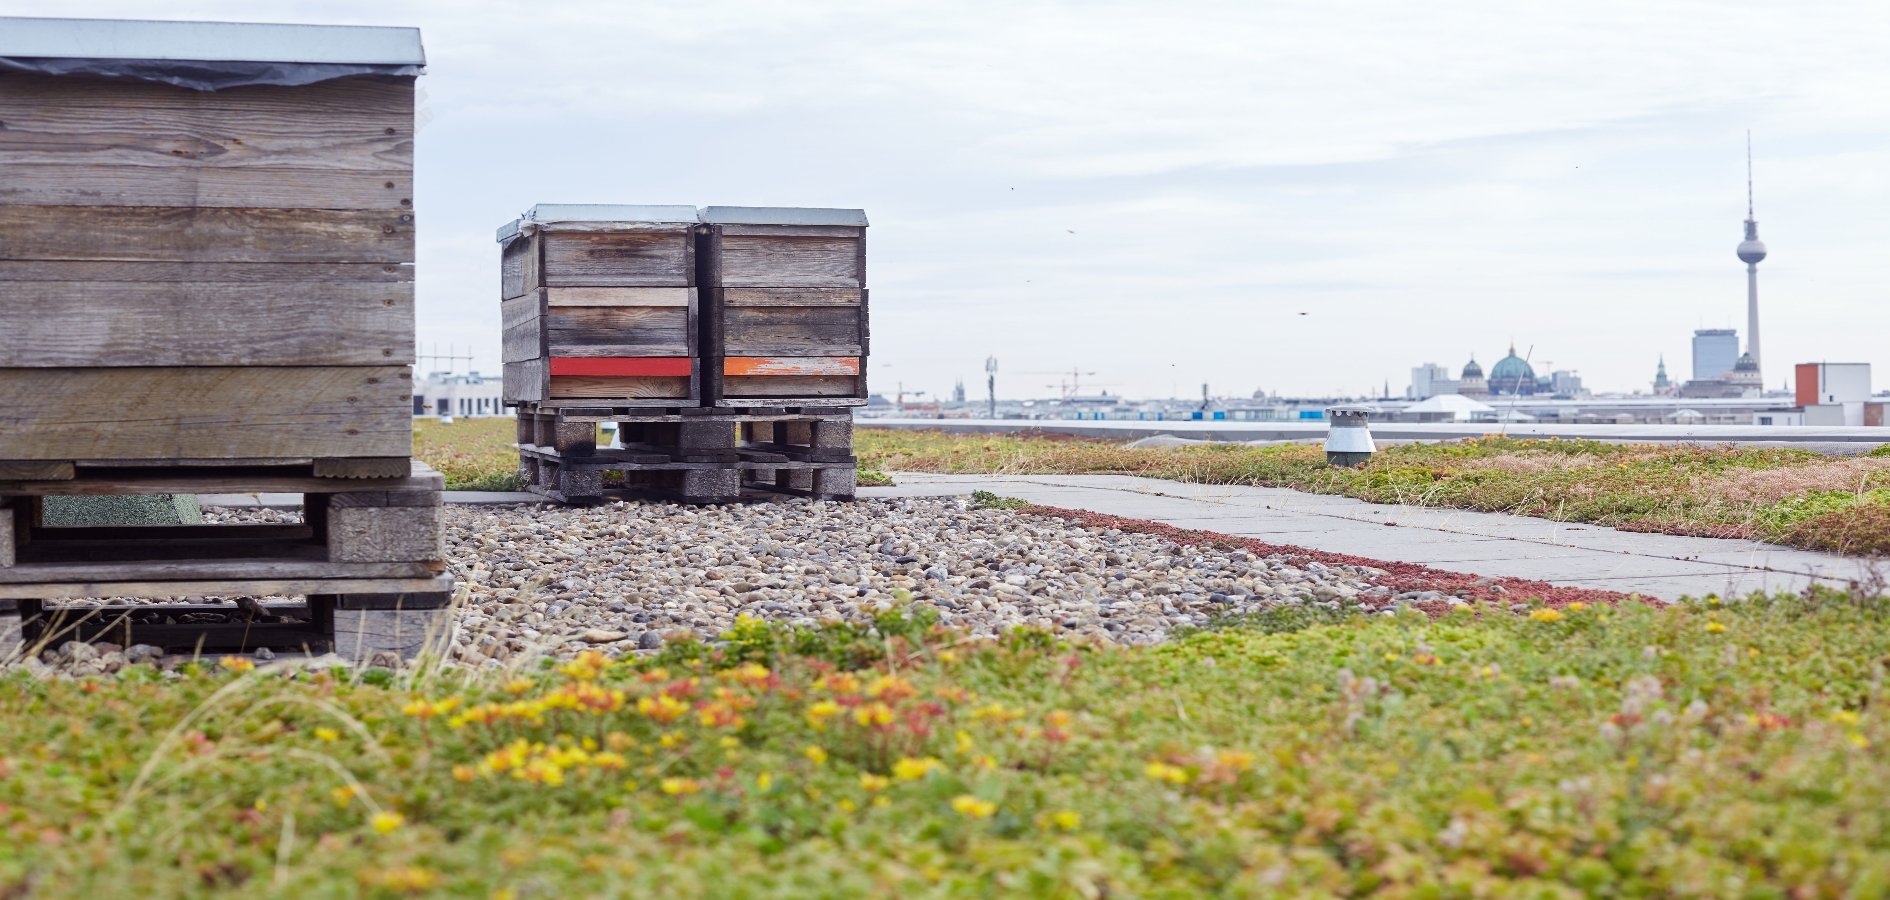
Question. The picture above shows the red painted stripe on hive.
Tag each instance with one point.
(619, 365)
(791, 365)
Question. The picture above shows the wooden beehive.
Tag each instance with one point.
(599, 306)
(205, 261)
(784, 318)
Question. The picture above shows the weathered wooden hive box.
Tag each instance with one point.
(206, 245)
(784, 317)
(599, 306)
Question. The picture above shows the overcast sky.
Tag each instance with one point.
(1304, 197)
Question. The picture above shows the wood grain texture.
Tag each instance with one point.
(619, 259)
(791, 331)
(621, 296)
(36, 470)
(620, 330)
(200, 481)
(341, 144)
(63, 323)
(756, 261)
(164, 234)
(386, 534)
(791, 296)
(519, 267)
(789, 385)
(263, 411)
(525, 381)
(523, 323)
(209, 272)
(573, 387)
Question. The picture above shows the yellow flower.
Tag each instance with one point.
(1546, 615)
(1714, 627)
(882, 802)
(819, 713)
(874, 782)
(1234, 759)
(464, 774)
(1067, 820)
(1577, 607)
(948, 656)
(1391, 657)
(670, 740)
(327, 734)
(973, 808)
(344, 794)
(400, 879)
(910, 769)
(964, 743)
(816, 754)
(1162, 771)
(518, 686)
(678, 786)
(730, 743)
(873, 714)
(386, 822)
(1844, 717)
(846, 806)
(237, 663)
(1858, 740)
(764, 781)
(662, 708)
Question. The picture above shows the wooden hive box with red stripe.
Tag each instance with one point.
(599, 306)
(784, 319)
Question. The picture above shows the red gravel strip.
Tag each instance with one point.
(1400, 577)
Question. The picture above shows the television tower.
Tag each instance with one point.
(1751, 251)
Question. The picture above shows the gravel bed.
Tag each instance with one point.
(625, 576)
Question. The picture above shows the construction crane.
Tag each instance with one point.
(1071, 387)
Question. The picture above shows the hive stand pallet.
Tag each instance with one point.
(359, 627)
(710, 456)
(369, 555)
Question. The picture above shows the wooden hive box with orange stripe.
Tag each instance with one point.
(599, 306)
(784, 320)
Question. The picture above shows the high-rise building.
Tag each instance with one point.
(1431, 380)
(1715, 352)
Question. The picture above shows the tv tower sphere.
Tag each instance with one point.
(1751, 250)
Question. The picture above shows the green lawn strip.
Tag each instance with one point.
(1709, 491)
(1601, 751)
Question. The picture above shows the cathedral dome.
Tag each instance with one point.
(1472, 370)
(1512, 375)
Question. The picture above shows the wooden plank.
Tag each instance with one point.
(618, 259)
(202, 482)
(36, 470)
(666, 365)
(621, 296)
(523, 323)
(216, 273)
(263, 411)
(791, 331)
(520, 269)
(208, 569)
(789, 385)
(30, 184)
(791, 365)
(791, 296)
(63, 323)
(341, 144)
(165, 234)
(605, 387)
(754, 261)
(524, 381)
(359, 467)
(260, 585)
(652, 331)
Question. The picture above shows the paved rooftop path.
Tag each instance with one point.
(1561, 553)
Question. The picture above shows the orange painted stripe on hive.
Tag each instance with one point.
(791, 365)
(620, 365)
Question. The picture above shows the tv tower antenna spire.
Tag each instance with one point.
(1751, 251)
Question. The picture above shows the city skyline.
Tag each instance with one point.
(1290, 197)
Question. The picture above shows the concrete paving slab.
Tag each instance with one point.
(1482, 543)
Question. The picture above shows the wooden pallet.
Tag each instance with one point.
(369, 556)
(705, 456)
